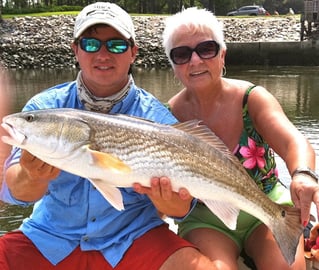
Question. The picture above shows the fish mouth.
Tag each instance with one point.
(15, 138)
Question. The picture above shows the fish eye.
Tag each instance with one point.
(29, 118)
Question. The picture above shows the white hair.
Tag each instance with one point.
(197, 20)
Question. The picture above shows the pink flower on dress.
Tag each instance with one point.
(253, 155)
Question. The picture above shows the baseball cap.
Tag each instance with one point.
(104, 13)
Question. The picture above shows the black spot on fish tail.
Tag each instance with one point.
(283, 213)
(287, 231)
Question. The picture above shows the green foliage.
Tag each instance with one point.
(40, 9)
(219, 7)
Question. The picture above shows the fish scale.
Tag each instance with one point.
(114, 151)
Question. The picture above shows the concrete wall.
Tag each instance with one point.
(304, 53)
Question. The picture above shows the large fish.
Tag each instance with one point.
(116, 151)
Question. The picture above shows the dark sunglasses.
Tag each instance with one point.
(205, 50)
(92, 45)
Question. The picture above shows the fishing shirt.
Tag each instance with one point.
(255, 154)
(73, 213)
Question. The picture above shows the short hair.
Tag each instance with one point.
(197, 20)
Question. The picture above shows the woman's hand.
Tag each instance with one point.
(304, 190)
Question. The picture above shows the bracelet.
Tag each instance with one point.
(307, 171)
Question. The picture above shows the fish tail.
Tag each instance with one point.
(287, 232)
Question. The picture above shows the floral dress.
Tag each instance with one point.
(255, 154)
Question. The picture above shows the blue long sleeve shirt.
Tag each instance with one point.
(73, 213)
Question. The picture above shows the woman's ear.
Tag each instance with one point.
(223, 54)
(222, 57)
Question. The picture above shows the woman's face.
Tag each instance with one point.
(198, 72)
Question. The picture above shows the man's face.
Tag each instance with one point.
(104, 72)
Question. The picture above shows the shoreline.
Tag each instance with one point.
(44, 42)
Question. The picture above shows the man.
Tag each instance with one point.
(72, 226)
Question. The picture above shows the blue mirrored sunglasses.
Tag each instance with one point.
(205, 50)
(92, 45)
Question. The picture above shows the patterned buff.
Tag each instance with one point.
(100, 104)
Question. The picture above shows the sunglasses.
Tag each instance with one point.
(205, 50)
(92, 45)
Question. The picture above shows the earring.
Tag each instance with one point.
(224, 71)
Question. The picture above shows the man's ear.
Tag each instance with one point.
(134, 51)
(75, 48)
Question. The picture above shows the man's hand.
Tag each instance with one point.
(164, 198)
(37, 169)
(28, 180)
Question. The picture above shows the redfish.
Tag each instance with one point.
(115, 151)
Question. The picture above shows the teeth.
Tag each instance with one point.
(197, 73)
(104, 68)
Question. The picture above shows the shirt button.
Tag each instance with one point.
(93, 219)
(85, 238)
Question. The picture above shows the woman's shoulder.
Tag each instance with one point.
(238, 84)
(243, 87)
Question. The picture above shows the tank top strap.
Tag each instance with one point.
(245, 99)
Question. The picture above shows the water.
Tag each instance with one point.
(294, 87)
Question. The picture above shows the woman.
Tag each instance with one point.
(250, 121)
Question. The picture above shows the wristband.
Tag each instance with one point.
(307, 171)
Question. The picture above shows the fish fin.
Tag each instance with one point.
(287, 230)
(112, 194)
(227, 213)
(109, 162)
(202, 132)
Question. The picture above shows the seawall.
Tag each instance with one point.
(296, 53)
